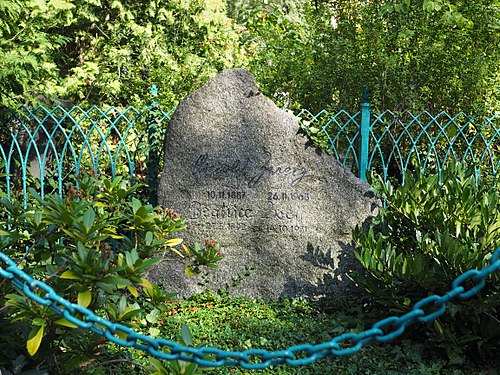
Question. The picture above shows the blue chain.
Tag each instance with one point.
(348, 343)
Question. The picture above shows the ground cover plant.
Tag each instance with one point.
(240, 323)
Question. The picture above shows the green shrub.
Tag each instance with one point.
(93, 247)
(428, 233)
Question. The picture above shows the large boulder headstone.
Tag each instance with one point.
(238, 172)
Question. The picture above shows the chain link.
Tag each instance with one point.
(252, 359)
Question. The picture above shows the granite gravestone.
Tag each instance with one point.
(238, 172)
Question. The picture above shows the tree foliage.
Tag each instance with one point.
(29, 46)
(411, 54)
(112, 52)
(125, 47)
(424, 54)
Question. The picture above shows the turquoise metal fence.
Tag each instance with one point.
(391, 143)
(45, 147)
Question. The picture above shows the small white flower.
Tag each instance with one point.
(333, 22)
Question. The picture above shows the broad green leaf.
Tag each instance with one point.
(149, 238)
(131, 257)
(70, 275)
(122, 304)
(107, 183)
(34, 339)
(37, 218)
(187, 337)
(133, 290)
(89, 218)
(173, 242)
(136, 204)
(84, 298)
(116, 280)
(84, 253)
(39, 322)
(66, 323)
(147, 263)
(146, 284)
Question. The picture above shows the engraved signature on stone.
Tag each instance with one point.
(247, 171)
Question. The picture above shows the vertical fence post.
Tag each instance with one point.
(365, 136)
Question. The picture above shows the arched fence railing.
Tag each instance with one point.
(429, 141)
(391, 143)
(45, 147)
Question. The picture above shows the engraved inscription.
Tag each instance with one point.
(224, 211)
(283, 228)
(248, 172)
(211, 194)
(286, 196)
(274, 213)
(234, 203)
(221, 226)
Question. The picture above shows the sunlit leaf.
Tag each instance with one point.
(133, 290)
(173, 242)
(70, 275)
(146, 284)
(84, 298)
(66, 323)
(34, 339)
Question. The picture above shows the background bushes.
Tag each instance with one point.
(412, 55)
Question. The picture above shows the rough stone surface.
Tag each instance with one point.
(238, 172)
